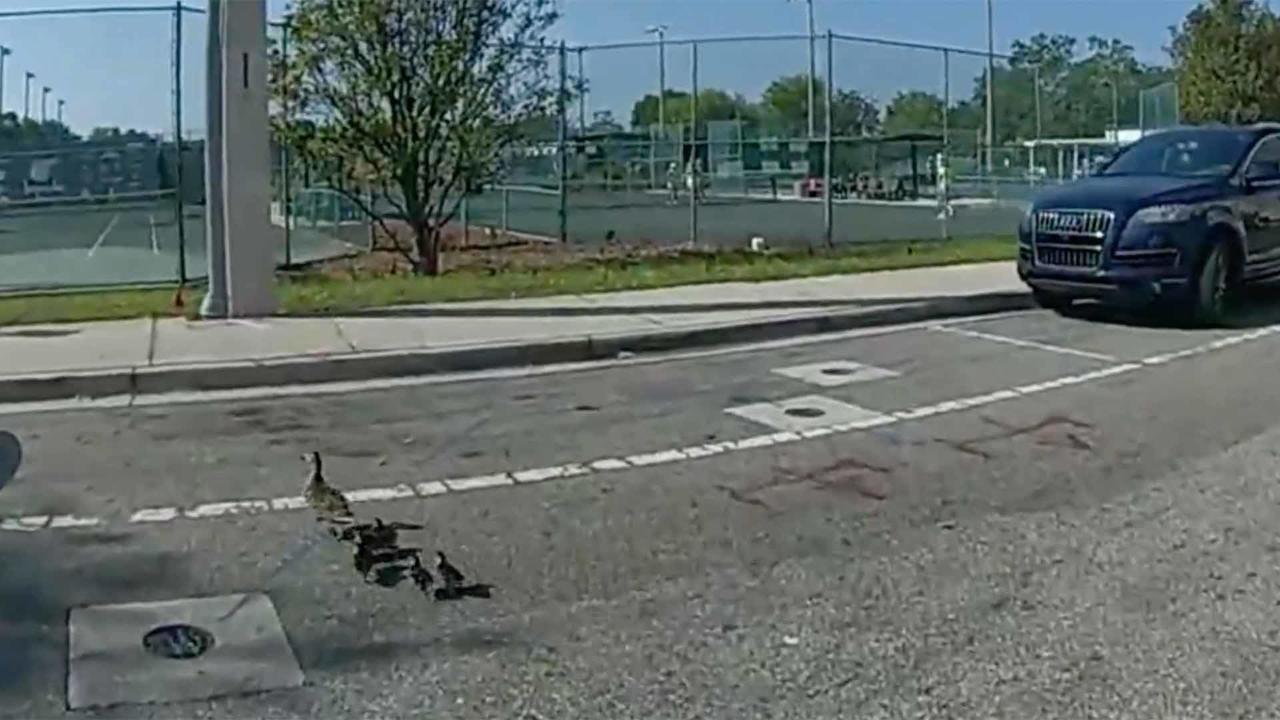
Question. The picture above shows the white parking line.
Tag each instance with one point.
(105, 232)
(1031, 344)
(155, 246)
(600, 466)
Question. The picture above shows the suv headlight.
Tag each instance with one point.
(1163, 214)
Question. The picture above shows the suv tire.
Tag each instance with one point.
(1212, 294)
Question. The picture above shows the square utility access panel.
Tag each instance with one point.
(176, 650)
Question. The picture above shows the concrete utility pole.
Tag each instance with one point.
(44, 103)
(241, 254)
(61, 105)
(214, 304)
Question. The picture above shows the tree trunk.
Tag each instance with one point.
(428, 250)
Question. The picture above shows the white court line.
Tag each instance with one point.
(105, 232)
(1025, 343)
(155, 246)
(600, 466)
(195, 397)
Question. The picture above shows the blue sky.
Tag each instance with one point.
(115, 69)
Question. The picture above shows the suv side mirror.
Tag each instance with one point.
(1259, 172)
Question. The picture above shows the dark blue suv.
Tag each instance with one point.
(1182, 216)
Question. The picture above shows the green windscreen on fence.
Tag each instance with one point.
(1158, 107)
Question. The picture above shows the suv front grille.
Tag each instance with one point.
(1074, 223)
(1068, 257)
(1070, 238)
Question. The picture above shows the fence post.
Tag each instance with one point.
(828, 203)
(506, 212)
(562, 142)
(582, 94)
(1034, 160)
(693, 146)
(943, 184)
(466, 217)
(286, 198)
(177, 143)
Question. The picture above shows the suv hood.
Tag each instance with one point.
(1123, 193)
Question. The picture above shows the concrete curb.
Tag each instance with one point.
(364, 366)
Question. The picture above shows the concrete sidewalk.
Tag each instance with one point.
(161, 355)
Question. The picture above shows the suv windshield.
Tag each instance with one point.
(1197, 153)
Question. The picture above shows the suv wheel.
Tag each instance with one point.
(1213, 287)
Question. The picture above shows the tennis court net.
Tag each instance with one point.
(539, 198)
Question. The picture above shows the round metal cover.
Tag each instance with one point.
(805, 412)
(10, 457)
(178, 642)
(837, 371)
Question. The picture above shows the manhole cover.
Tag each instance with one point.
(805, 412)
(838, 371)
(178, 642)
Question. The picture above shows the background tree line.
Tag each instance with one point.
(1075, 97)
(18, 134)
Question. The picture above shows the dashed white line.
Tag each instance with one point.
(155, 245)
(1017, 342)
(103, 235)
(603, 465)
(476, 483)
(375, 494)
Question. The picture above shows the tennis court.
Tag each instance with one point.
(133, 239)
(730, 219)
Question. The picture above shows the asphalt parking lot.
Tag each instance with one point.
(1016, 516)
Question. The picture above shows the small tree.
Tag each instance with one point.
(417, 99)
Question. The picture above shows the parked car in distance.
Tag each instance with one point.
(1182, 218)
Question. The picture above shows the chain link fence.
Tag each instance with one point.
(1158, 107)
(102, 152)
(803, 141)
(715, 142)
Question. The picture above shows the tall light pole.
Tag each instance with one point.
(61, 104)
(26, 96)
(813, 66)
(44, 103)
(4, 53)
(1115, 109)
(991, 67)
(661, 32)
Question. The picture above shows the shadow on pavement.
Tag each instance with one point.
(331, 652)
(1258, 308)
(41, 578)
(605, 308)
